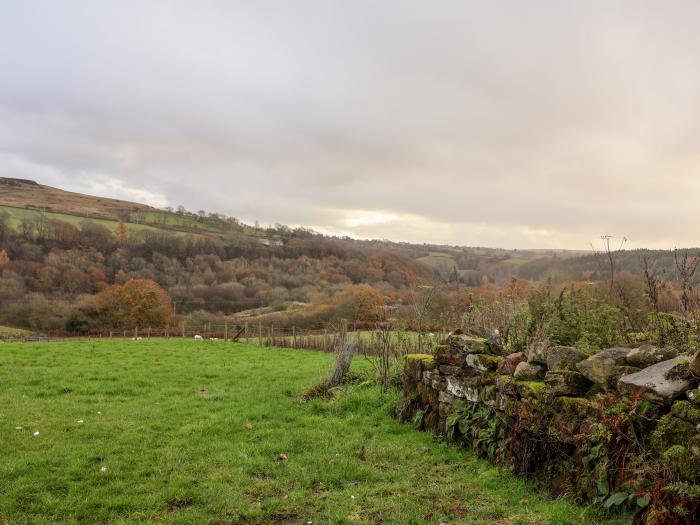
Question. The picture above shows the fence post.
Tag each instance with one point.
(294, 336)
(245, 333)
(260, 341)
(226, 330)
(148, 333)
(136, 332)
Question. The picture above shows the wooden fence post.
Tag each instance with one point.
(294, 337)
(260, 341)
(136, 332)
(226, 330)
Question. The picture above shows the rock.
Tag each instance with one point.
(507, 366)
(483, 362)
(564, 357)
(465, 344)
(506, 385)
(656, 381)
(695, 365)
(531, 390)
(450, 370)
(450, 358)
(537, 353)
(462, 388)
(566, 383)
(647, 355)
(603, 368)
(495, 342)
(528, 371)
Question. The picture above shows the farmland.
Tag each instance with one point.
(191, 432)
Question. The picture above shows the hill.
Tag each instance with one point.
(61, 249)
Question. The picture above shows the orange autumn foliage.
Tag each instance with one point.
(136, 303)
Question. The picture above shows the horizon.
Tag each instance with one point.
(463, 127)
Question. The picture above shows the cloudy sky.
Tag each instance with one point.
(513, 124)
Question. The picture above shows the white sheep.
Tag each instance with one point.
(198, 337)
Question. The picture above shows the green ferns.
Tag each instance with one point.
(479, 426)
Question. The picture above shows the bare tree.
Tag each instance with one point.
(420, 305)
(610, 252)
(686, 266)
(653, 281)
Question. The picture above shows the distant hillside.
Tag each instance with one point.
(21, 193)
(61, 248)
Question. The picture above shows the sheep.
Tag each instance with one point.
(198, 337)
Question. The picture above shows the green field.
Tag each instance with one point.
(156, 432)
(17, 214)
(10, 330)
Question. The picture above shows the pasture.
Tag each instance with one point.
(182, 431)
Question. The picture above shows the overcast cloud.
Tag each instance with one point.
(513, 124)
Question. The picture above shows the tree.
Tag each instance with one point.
(4, 259)
(359, 303)
(138, 302)
(686, 266)
(122, 233)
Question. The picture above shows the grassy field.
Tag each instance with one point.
(17, 214)
(9, 330)
(166, 431)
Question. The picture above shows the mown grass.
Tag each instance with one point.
(190, 432)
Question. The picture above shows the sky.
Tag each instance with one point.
(541, 124)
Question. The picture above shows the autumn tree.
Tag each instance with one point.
(358, 303)
(4, 259)
(138, 302)
(122, 233)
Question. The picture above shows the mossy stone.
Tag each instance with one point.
(686, 411)
(671, 431)
(531, 389)
(682, 461)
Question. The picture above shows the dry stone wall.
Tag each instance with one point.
(620, 427)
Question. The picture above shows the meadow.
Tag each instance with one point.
(182, 431)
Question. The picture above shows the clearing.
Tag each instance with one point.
(173, 431)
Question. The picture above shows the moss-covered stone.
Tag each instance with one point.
(483, 362)
(469, 345)
(686, 411)
(682, 461)
(414, 366)
(506, 385)
(694, 445)
(531, 389)
(694, 396)
(670, 431)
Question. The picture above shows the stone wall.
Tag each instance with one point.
(620, 427)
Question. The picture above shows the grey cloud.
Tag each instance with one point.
(512, 123)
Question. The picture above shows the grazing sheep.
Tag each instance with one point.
(198, 337)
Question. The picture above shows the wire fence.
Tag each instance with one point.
(404, 341)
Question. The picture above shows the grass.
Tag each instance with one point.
(10, 330)
(17, 214)
(190, 432)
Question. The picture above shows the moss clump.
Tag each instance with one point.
(687, 412)
(682, 461)
(531, 389)
(670, 431)
(579, 406)
(694, 396)
(426, 359)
